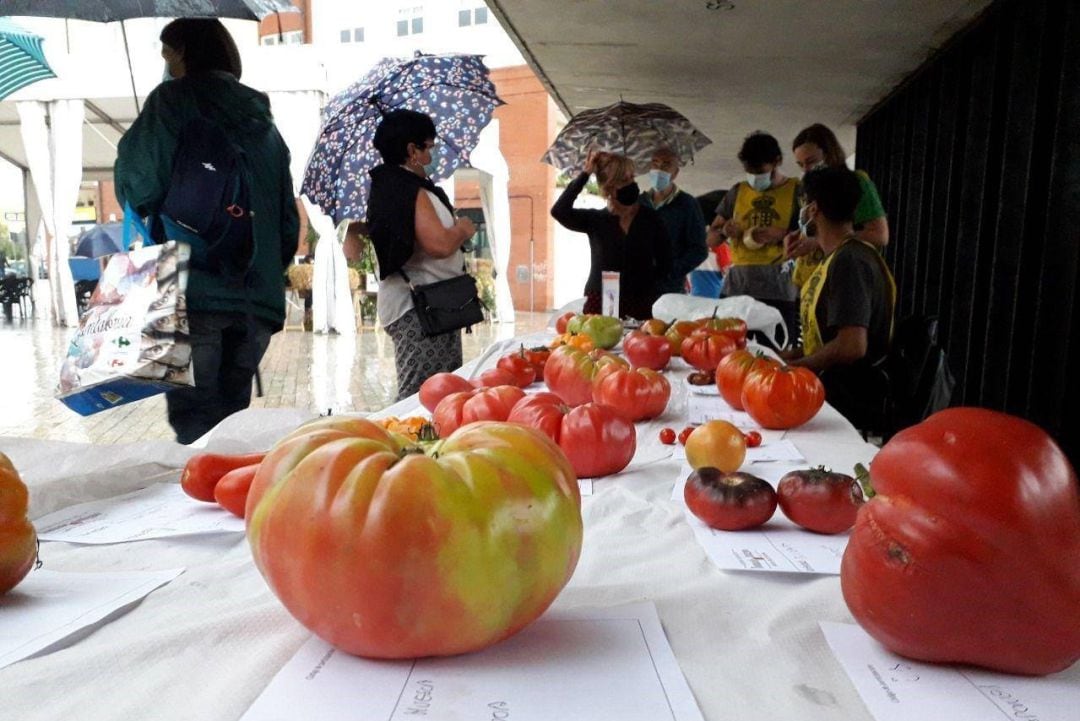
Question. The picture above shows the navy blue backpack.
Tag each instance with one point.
(208, 203)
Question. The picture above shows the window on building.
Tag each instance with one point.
(291, 37)
(472, 16)
(410, 21)
(352, 35)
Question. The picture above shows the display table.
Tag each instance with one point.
(205, 645)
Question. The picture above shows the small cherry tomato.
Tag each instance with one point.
(667, 436)
(753, 439)
(684, 434)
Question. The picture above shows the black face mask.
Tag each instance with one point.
(628, 194)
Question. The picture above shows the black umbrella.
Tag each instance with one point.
(106, 11)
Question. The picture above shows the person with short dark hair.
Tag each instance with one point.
(816, 146)
(414, 231)
(753, 219)
(230, 324)
(681, 216)
(627, 236)
(848, 302)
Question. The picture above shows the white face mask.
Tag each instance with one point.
(759, 182)
(804, 221)
(660, 180)
(166, 75)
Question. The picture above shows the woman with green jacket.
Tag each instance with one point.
(230, 322)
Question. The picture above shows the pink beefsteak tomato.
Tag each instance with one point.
(393, 551)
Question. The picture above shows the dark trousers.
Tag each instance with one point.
(225, 352)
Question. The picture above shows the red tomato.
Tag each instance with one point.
(203, 471)
(378, 550)
(637, 394)
(667, 436)
(729, 501)
(820, 501)
(538, 356)
(18, 540)
(753, 439)
(969, 552)
(569, 372)
(684, 434)
(782, 397)
(440, 385)
(560, 323)
(479, 404)
(704, 349)
(732, 371)
(734, 328)
(597, 439)
(646, 351)
(519, 367)
(495, 377)
(231, 491)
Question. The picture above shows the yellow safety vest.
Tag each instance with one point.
(811, 294)
(772, 207)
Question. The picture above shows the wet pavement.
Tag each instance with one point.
(300, 370)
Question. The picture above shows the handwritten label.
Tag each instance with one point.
(900, 689)
(421, 701)
(500, 710)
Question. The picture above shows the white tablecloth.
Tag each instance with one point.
(205, 645)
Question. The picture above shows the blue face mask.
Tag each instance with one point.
(660, 180)
(429, 168)
(759, 182)
(166, 76)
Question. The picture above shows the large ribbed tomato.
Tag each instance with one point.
(732, 371)
(597, 439)
(18, 541)
(569, 372)
(782, 397)
(704, 348)
(970, 550)
(481, 404)
(394, 552)
(638, 394)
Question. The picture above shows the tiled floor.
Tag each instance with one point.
(304, 370)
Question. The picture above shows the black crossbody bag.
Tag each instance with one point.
(446, 305)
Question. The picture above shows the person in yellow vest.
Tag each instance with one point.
(753, 218)
(847, 303)
(816, 146)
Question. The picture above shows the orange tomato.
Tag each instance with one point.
(716, 444)
(18, 540)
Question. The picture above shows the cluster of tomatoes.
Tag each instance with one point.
(668, 437)
(815, 499)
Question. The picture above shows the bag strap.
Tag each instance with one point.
(408, 282)
(134, 223)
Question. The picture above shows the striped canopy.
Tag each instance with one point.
(21, 59)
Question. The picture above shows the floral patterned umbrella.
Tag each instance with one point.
(455, 90)
(635, 130)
